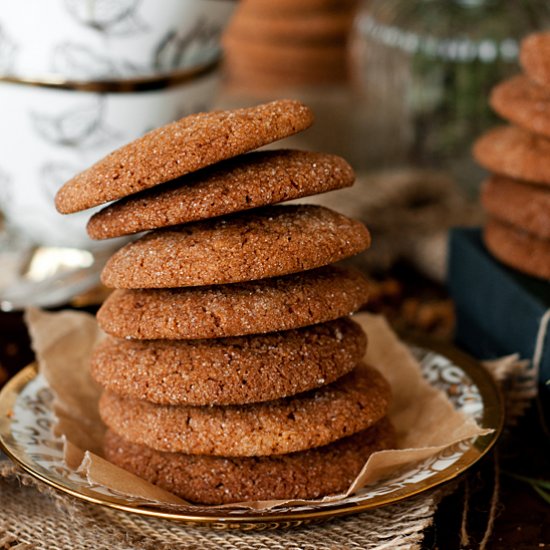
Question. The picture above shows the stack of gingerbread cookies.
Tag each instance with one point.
(231, 369)
(281, 43)
(517, 195)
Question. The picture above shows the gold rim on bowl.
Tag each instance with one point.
(139, 84)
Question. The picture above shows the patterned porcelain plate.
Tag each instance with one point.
(26, 419)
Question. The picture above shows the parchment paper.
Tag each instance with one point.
(425, 420)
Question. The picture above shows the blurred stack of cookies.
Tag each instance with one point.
(517, 195)
(231, 369)
(282, 43)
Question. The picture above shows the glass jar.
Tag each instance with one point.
(425, 69)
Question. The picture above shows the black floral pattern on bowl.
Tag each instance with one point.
(110, 17)
(82, 62)
(82, 126)
(177, 49)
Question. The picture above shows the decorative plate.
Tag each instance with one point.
(26, 418)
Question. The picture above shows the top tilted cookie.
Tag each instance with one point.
(179, 148)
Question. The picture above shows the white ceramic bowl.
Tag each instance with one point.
(108, 39)
(48, 135)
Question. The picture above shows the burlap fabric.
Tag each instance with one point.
(33, 516)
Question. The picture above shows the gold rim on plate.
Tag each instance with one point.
(492, 417)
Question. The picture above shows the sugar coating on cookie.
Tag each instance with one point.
(523, 102)
(269, 242)
(217, 480)
(516, 153)
(517, 248)
(219, 311)
(535, 57)
(226, 371)
(518, 203)
(179, 148)
(353, 403)
(248, 181)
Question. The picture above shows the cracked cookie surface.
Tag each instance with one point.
(218, 480)
(352, 403)
(225, 371)
(218, 311)
(179, 148)
(248, 181)
(268, 242)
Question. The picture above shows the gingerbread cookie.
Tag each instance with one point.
(244, 72)
(284, 58)
(247, 181)
(535, 57)
(291, 8)
(353, 403)
(242, 78)
(216, 480)
(516, 153)
(219, 311)
(524, 103)
(518, 249)
(227, 371)
(518, 203)
(309, 28)
(179, 148)
(273, 241)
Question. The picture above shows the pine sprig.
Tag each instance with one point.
(540, 486)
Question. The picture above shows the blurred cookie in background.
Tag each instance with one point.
(516, 196)
(271, 44)
(518, 248)
(518, 203)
